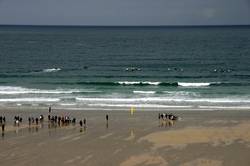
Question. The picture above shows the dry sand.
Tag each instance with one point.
(199, 138)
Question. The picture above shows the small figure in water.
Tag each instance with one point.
(49, 109)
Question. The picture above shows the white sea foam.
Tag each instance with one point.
(67, 104)
(219, 100)
(182, 93)
(138, 83)
(41, 99)
(12, 90)
(51, 70)
(164, 99)
(197, 84)
(140, 105)
(144, 92)
(119, 99)
(225, 107)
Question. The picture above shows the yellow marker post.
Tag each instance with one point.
(132, 110)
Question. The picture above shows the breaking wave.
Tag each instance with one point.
(40, 99)
(163, 99)
(12, 90)
(170, 84)
(51, 70)
(144, 92)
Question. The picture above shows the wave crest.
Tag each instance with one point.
(51, 70)
(138, 83)
(144, 92)
(197, 84)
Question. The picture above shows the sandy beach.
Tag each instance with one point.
(199, 138)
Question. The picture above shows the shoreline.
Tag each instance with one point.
(127, 108)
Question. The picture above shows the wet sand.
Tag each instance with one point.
(199, 138)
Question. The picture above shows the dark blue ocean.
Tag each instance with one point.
(117, 67)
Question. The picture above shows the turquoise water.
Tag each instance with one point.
(160, 67)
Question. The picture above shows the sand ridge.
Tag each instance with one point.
(193, 135)
(203, 162)
(144, 159)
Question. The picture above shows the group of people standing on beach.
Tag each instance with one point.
(166, 119)
(52, 120)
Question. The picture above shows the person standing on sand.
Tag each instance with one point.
(107, 121)
(80, 123)
(107, 118)
(29, 119)
(84, 122)
(49, 109)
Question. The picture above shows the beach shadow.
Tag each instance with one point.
(83, 129)
(107, 125)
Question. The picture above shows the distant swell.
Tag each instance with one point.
(149, 83)
(127, 83)
(152, 83)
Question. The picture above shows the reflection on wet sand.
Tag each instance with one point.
(107, 125)
(33, 128)
(83, 129)
(166, 123)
